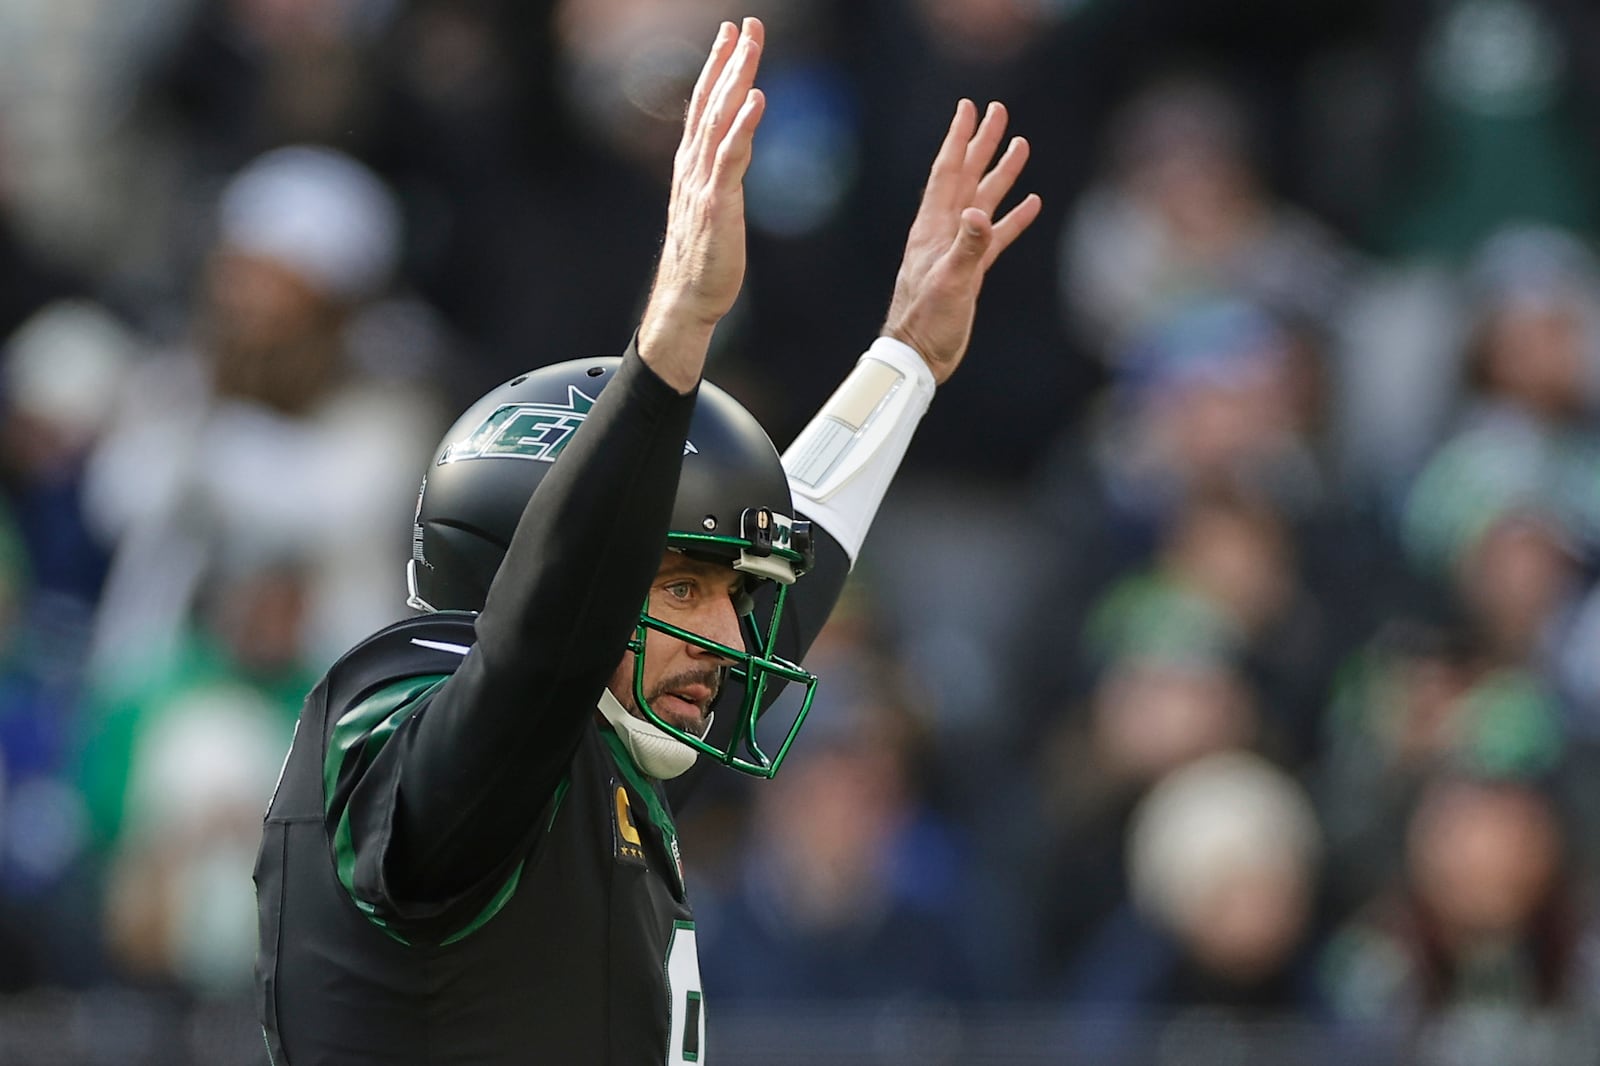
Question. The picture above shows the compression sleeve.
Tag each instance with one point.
(841, 464)
(467, 775)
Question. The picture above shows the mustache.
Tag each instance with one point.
(711, 678)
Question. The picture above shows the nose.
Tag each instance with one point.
(719, 622)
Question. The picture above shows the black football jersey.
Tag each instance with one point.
(581, 950)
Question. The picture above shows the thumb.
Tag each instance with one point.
(973, 238)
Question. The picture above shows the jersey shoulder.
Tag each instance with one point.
(428, 644)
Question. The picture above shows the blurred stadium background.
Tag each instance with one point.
(1221, 683)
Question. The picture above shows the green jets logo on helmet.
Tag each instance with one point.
(538, 431)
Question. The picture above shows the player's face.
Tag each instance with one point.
(681, 680)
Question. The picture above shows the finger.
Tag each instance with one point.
(1011, 226)
(733, 155)
(952, 152)
(981, 149)
(753, 28)
(998, 182)
(716, 60)
(973, 236)
(740, 74)
(732, 88)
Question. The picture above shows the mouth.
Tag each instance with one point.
(686, 706)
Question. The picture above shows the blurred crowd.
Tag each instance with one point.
(1227, 654)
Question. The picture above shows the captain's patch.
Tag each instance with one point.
(625, 833)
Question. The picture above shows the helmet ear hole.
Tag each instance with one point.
(457, 567)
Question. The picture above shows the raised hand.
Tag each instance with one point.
(703, 253)
(955, 238)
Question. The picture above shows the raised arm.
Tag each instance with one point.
(703, 251)
(492, 743)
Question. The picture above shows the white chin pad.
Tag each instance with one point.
(661, 756)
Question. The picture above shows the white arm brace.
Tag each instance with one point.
(841, 464)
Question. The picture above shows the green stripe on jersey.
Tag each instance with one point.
(502, 897)
(358, 737)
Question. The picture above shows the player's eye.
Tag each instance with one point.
(682, 591)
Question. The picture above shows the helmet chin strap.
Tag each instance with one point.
(657, 754)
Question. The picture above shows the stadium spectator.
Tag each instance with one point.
(177, 766)
(1151, 712)
(268, 416)
(852, 886)
(1482, 951)
(1223, 857)
(1183, 215)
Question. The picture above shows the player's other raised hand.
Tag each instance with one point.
(955, 237)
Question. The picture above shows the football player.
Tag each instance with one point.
(470, 857)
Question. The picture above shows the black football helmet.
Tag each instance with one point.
(733, 503)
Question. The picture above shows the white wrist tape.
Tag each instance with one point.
(841, 464)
